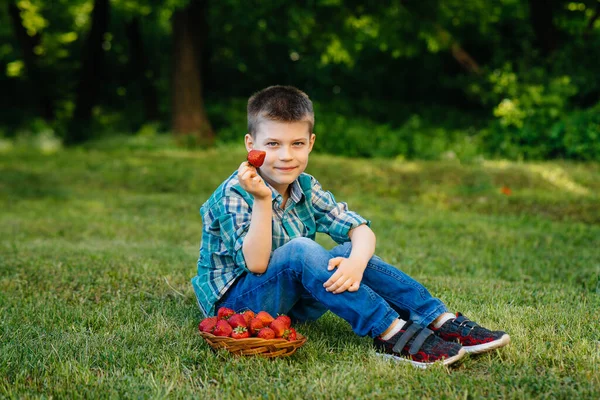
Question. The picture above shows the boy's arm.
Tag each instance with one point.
(258, 241)
(350, 270)
(331, 217)
(363, 244)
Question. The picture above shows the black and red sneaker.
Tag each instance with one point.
(418, 345)
(473, 337)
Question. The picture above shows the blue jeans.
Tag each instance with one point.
(293, 285)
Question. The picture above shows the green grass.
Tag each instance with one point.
(98, 245)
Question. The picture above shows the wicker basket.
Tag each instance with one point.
(255, 346)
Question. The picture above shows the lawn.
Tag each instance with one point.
(98, 244)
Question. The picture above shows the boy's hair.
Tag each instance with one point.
(279, 103)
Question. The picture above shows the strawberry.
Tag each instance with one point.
(266, 333)
(237, 320)
(265, 317)
(222, 328)
(255, 325)
(290, 334)
(278, 327)
(256, 158)
(207, 324)
(224, 313)
(286, 320)
(248, 314)
(241, 332)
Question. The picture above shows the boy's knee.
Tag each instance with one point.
(303, 244)
(300, 240)
(307, 251)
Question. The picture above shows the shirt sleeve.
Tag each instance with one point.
(234, 222)
(331, 217)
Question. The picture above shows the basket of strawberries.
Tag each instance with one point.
(250, 334)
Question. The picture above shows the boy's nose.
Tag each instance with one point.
(285, 154)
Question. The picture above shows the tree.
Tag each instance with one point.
(541, 14)
(140, 69)
(190, 122)
(91, 75)
(28, 44)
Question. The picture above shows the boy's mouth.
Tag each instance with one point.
(285, 169)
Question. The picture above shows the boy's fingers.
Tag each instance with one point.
(245, 166)
(338, 284)
(334, 262)
(248, 174)
(332, 280)
(354, 287)
(344, 286)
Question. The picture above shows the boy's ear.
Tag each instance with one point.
(249, 142)
(311, 142)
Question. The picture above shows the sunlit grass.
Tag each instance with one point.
(98, 245)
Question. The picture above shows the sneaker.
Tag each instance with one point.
(418, 345)
(473, 337)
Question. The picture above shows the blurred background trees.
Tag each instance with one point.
(395, 78)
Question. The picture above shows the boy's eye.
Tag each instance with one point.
(298, 143)
(271, 143)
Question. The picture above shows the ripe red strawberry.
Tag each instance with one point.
(240, 332)
(222, 328)
(256, 157)
(265, 317)
(207, 324)
(290, 334)
(237, 320)
(266, 333)
(255, 325)
(248, 314)
(278, 327)
(286, 320)
(224, 313)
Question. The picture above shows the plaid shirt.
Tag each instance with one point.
(226, 220)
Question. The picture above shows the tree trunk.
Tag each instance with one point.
(91, 75)
(141, 71)
(541, 16)
(190, 122)
(38, 83)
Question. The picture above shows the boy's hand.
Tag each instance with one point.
(347, 277)
(252, 183)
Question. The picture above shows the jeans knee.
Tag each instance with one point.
(302, 245)
(306, 252)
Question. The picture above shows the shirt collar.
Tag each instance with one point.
(296, 192)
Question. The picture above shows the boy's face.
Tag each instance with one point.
(287, 145)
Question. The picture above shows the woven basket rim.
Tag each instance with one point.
(254, 346)
(300, 339)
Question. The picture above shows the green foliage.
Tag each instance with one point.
(580, 134)
(535, 118)
(527, 105)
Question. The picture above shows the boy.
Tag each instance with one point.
(258, 250)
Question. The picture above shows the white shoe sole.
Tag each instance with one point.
(423, 365)
(482, 348)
